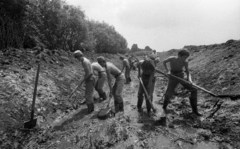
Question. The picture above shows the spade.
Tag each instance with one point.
(32, 123)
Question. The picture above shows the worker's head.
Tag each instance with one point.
(157, 60)
(183, 54)
(152, 57)
(78, 55)
(121, 58)
(101, 61)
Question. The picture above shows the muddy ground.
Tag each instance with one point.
(65, 123)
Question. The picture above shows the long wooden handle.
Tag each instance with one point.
(233, 97)
(141, 82)
(80, 84)
(109, 102)
(35, 92)
(187, 82)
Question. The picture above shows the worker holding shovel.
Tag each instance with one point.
(147, 82)
(102, 76)
(117, 89)
(89, 79)
(176, 68)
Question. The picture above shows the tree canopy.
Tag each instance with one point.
(54, 24)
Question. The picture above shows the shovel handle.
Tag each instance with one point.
(35, 92)
(187, 82)
(108, 102)
(154, 110)
(79, 86)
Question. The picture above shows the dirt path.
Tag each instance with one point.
(126, 130)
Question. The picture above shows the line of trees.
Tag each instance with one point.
(135, 48)
(54, 24)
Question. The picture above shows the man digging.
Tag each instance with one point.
(177, 63)
(148, 79)
(89, 79)
(102, 76)
(117, 88)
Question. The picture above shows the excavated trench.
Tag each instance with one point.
(66, 124)
(129, 129)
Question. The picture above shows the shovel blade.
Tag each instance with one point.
(30, 124)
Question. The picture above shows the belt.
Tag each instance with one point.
(176, 72)
(101, 72)
(145, 75)
(117, 75)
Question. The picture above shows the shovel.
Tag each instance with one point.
(145, 91)
(104, 113)
(80, 84)
(231, 96)
(33, 121)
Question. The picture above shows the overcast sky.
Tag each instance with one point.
(167, 24)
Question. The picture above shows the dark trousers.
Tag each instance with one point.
(172, 84)
(141, 93)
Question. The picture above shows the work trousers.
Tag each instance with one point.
(127, 74)
(172, 84)
(102, 76)
(118, 89)
(89, 88)
(149, 86)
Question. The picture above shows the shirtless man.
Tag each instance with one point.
(102, 76)
(117, 89)
(89, 79)
(127, 71)
(176, 68)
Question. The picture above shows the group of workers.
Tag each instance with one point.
(146, 72)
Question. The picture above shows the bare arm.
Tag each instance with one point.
(165, 64)
(187, 72)
(109, 80)
(124, 65)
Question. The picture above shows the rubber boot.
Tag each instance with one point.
(129, 79)
(116, 105)
(90, 107)
(193, 103)
(121, 107)
(104, 96)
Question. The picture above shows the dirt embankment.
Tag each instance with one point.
(65, 123)
(59, 74)
(217, 68)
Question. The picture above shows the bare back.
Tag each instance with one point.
(87, 66)
(97, 67)
(126, 63)
(113, 70)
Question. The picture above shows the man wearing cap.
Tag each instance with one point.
(127, 70)
(117, 88)
(102, 76)
(89, 79)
